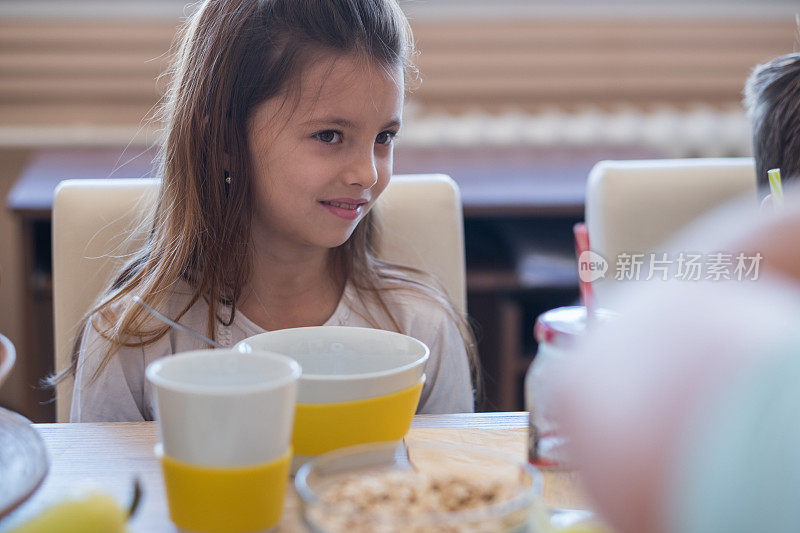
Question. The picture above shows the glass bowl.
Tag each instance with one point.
(420, 487)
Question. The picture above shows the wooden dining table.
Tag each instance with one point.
(109, 456)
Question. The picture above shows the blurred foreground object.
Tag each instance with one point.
(92, 512)
(659, 404)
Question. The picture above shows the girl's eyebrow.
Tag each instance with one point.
(344, 123)
(394, 123)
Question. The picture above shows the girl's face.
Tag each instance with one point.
(320, 165)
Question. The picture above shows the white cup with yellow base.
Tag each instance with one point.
(225, 423)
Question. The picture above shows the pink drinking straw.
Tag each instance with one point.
(581, 233)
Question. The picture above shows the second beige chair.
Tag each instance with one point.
(633, 206)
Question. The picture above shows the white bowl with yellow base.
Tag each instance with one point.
(343, 364)
(357, 385)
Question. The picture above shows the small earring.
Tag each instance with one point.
(227, 184)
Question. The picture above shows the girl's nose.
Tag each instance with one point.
(362, 172)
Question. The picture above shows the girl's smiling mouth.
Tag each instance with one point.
(346, 208)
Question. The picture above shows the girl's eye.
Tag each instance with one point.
(385, 137)
(329, 136)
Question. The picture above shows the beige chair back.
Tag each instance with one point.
(633, 206)
(92, 235)
(7, 357)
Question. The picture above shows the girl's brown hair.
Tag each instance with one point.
(233, 55)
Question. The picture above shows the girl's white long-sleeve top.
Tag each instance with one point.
(122, 394)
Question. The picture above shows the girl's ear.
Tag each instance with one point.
(766, 203)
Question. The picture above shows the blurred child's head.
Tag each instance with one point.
(772, 99)
(234, 56)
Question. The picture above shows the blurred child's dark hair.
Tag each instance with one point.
(772, 100)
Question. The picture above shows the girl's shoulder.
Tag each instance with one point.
(416, 302)
(409, 305)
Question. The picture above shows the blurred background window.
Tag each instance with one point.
(533, 72)
(667, 73)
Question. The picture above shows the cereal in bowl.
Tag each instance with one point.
(413, 501)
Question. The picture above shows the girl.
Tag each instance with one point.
(280, 124)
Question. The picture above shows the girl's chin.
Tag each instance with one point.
(334, 241)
